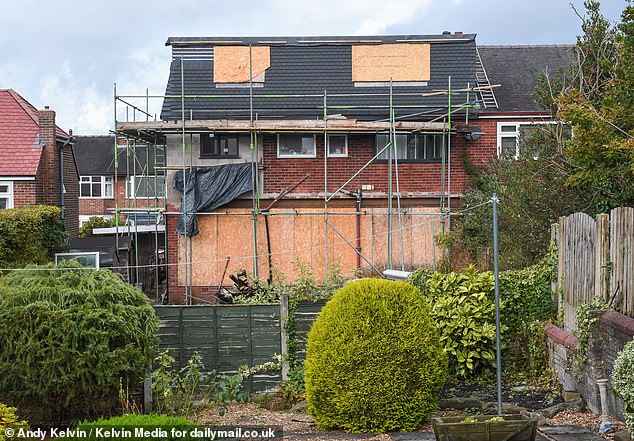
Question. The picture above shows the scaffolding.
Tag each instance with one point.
(153, 134)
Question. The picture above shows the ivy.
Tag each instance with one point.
(586, 318)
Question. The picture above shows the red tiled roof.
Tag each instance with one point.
(19, 156)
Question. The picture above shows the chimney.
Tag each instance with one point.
(49, 166)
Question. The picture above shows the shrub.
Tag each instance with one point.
(464, 307)
(464, 310)
(70, 336)
(373, 359)
(96, 222)
(30, 235)
(9, 420)
(623, 382)
(147, 423)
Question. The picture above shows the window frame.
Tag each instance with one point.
(406, 147)
(8, 195)
(343, 154)
(130, 184)
(106, 182)
(300, 155)
(514, 134)
(216, 137)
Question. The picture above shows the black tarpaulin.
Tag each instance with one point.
(208, 188)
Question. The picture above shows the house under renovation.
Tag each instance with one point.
(331, 151)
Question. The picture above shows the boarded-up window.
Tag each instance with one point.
(233, 64)
(390, 62)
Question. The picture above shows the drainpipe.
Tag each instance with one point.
(69, 141)
(357, 194)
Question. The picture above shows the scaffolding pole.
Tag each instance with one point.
(391, 148)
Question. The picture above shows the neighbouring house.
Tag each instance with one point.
(342, 151)
(37, 165)
(134, 187)
(510, 111)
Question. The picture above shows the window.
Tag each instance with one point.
(337, 145)
(89, 259)
(145, 187)
(296, 146)
(513, 138)
(413, 147)
(96, 186)
(6, 194)
(213, 145)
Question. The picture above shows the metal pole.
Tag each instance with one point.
(326, 222)
(254, 169)
(449, 159)
(389, 184)
(498, 356)
(185, 215)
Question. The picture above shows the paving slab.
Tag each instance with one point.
(570, 433)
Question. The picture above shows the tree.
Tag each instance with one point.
(592, 171)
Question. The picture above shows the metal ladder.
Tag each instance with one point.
(482, 79)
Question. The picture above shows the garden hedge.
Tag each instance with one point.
(30, 235)
(70, 338)
(373, 359)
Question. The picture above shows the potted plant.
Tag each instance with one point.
(485, 428)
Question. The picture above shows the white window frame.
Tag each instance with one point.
(61, 257)
(297, 155)
(515, 134)
(130, 184)
(343, 154)
(107, 182)
(8, 195)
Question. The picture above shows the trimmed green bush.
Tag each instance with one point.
(464, 308)
(9, 420)
(623, 382)
(30, 235)
(373, 359)
(96, 222)
(69, 337)
(147, 423)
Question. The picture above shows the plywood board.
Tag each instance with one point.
(233, 64)
(391, 62)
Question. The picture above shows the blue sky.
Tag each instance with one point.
(67, 54)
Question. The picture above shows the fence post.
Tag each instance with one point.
(147, 393)
(602, 256)
(283, 335)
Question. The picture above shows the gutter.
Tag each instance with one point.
(69, 141)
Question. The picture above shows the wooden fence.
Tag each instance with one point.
(229, 336)
(596, 261)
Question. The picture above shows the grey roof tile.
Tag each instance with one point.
(516, 68)
(312, 69)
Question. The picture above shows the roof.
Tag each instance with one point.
(516, 69)
(95, 156)
(19, 156)
(302, 69)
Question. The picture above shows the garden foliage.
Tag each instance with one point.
(96, 222)
(464, 309)
(373, 360)
(623, 382)
(30, 235)
(70, 337)
(9, 420)
(148, 423)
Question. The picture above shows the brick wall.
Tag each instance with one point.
(608, 335)
(24, 193)
(48, 171)
(418, 177)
